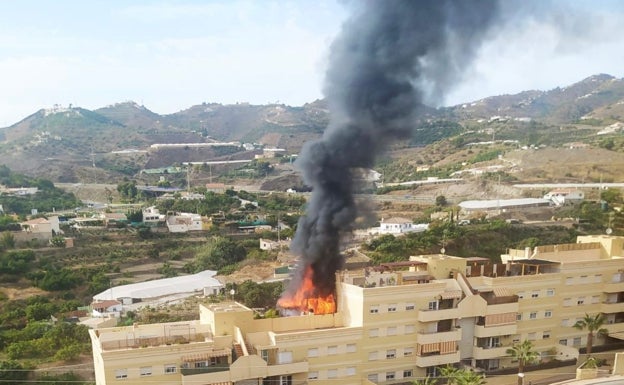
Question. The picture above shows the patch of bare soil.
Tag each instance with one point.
(564, 164)
(16, 293)
(256, 271)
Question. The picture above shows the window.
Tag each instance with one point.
(520, 294)
(264, 354)
(564, 322)
(595, 299)
(284, 357)
(580, 301)
(145, 371)
(332, 373)
(408, 373)
(285, 380)
(410, 306)
(519, 317)
(373, 333)
(563, 342)
(392, 308)
(351, 348)
(546, 334)
(409, 351)
(312, 352)
(567, 302)
(569, 280)
(531, 336)
(409, 329)
(535, 294)
(598, 278)
(171, 369)
(431, 371)
(312, 375)
(350, 371)
(533, 315)
(433, 305)
(391, 353)
(331, 350)
(576, 341)
(121, 374)
(374, 309)
(372, 356)
(373, 377)
(550, 292)
(390, 376)
(583, 279)
(547, 313)
(392, 331)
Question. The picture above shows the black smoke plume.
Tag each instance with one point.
(389, 56)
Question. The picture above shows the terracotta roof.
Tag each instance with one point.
(105, 304)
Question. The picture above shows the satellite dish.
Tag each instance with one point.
(608, 231)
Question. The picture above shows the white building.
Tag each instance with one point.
(152, 216)
(184, 222)
(398, 225)
(563, 197)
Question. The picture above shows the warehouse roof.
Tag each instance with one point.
(161, 287)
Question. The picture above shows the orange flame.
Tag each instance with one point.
(307, 299)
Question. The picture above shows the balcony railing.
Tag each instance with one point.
(435, 337)
(205, 369)
(489, 352)
(426, 315)
(495, 330)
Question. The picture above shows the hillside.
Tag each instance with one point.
(76, 145)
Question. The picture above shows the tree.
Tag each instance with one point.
(218, 253)
(524, 353)
(592, 324)
(426, 381)
(440, 200)
(11, 370)
(7, 240)
(455, 376)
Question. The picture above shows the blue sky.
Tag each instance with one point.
(170, 55)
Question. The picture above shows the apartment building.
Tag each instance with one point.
(394, 323)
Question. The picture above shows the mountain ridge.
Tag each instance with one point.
(65, 143)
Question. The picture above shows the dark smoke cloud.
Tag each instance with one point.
(388, 57)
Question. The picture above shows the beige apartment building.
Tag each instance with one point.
(394, 323)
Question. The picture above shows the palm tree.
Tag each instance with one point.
(457, 376)
(524, 353)
(592, 324)
(425, 381)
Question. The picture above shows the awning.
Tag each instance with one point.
(451, 294)
(205, 356)
(502, 292)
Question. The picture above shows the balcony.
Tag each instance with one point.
(286, 369)
(614, 328)
(426, 315)
(435, 337)
(487, 353)
(500, 308)
(206, 369)
(207, 375)
(495, 330)
(612, 307)
(614, 287)
(437, 359)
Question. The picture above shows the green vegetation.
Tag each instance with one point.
(47, 199)
(593, 324)
(525, 354)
